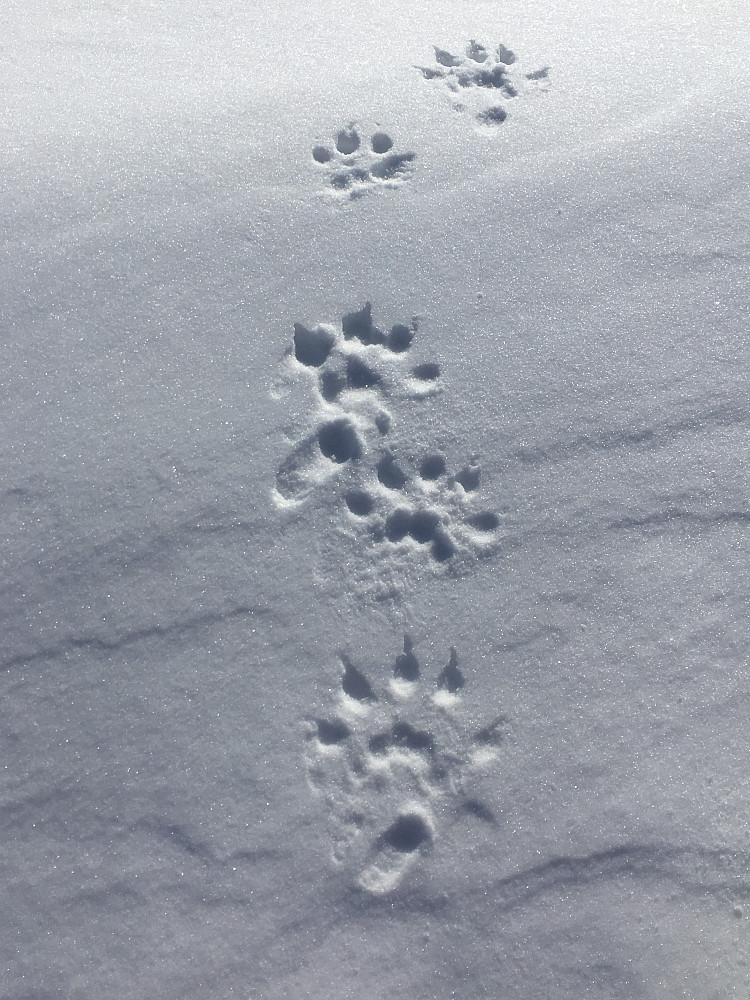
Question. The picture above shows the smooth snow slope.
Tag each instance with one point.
(397, 652)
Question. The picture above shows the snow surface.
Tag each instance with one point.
(393, 650)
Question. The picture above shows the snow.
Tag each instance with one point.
(375, 505)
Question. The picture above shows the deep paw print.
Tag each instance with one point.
(391, 765)
(411, 508)
(351, 373)
(480, 74)
(353, 167)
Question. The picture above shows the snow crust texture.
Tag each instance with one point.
(390, 765)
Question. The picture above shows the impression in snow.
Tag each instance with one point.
(405, 501)
(352, 168)
(483, 74)
(386, 763)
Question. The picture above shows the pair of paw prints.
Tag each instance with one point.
(403, 502)
(390, 765)
(352, 169)
(482, 71)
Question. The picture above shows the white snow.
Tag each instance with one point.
(376, 651)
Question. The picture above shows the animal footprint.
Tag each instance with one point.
(485, 72)
(350, 372)
(353, 168)
(403, 503)
(413, 506)
(390, 764)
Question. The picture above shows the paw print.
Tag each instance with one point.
(483, 72)
(414, 505)
(350, 372)
(352, 169)
(389, 765)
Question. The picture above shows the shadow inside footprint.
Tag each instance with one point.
(404, 736)
(476, 808)
(359, 375)
(359, 502)
(332, 384)
(390, 474)
(347, 141)
(493, 733)
(492, 79)
(476, 52)
(406, 667)
(406, 834)
(381, 142)
(359, 324)
(431, 74)
(493, 116)
(397, 524)
(469, 477)
(450, 678)
(485, 521)
(432, 467)
(400, 338)
(443, 548)
(423, 525)
(355, 684)
(339, 442)
(331, 733)
(445, 58)
(427, 372)
(392, 166)
(312, 347)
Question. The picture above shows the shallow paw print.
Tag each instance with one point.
(350, 373)
(353, 167)
(389, 764)
(414, 509)
(482, 73)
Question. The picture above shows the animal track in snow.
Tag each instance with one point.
(404, 501)
(390, 764)
(349, 371)
(483, 72)
(410, 506)
(352, 167)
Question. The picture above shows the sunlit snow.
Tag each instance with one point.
(375, 504)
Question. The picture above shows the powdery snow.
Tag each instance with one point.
(375, 500)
